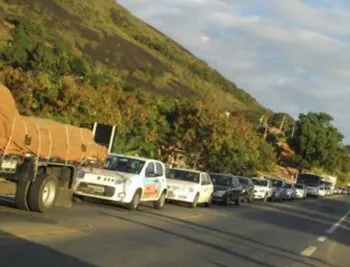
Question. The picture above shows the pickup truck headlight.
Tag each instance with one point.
(220, 193)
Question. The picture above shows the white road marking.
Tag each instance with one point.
(309, 251)
(322, 239)
(337, 224)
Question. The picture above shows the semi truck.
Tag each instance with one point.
(41, 156)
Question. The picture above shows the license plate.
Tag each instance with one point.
(97, 189)
(182, 197)
(8, 165)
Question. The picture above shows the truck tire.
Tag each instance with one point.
(135, 201)
(43, 193)
(210, 201)
(227, 200)
(160, 202)
(21, 197)
(266, 197)
(238, 201)
(195, 202)
(251, 198)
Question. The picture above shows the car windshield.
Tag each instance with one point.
(184, 175)
(299, 186)
(287, 186)
(243, 181)
(219, 179)
(277, 183)
(260, 182)
(124, 164)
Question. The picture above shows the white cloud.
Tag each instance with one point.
(291, 55)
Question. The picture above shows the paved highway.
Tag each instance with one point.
(300, 233)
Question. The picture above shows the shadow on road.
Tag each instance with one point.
(253, 245)
(17, 252)
(314, 219)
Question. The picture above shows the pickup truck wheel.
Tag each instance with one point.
(160, 202)
(135, 201)
(43, 192)
(250, 198)
(195, 202)
(266, 197)
(227, 200)
(238, 201)
(210, 201)
(21, 197)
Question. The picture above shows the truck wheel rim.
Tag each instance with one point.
(162, 200)
(136, 201)
(49, 194)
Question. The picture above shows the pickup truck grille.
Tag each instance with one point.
(96, 189)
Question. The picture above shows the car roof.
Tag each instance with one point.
(182, 169)
(131, 157)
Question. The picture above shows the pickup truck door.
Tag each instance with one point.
(151, 183)
(206, 188)
(235, 188)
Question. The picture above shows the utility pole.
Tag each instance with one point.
(293, 131)
(283, 121)
(261, 120)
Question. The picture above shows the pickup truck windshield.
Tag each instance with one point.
(299, 186)
(183, 175)
(260, 182)
(221, 179)
(124, 164)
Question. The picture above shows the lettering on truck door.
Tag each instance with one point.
(151, 183)
(205, 188)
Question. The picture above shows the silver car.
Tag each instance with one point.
(301, 191)
(289, 191)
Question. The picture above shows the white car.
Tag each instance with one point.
(126, 180)
(301, 191)
(190, 186)
(262, 189)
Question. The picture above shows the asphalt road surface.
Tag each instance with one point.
(300, 233)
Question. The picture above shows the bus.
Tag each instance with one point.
(315, 186)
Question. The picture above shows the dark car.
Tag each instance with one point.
(248, 188)
(227, 188)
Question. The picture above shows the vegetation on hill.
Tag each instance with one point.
(84, 61)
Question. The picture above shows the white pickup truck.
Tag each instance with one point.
(125, 180)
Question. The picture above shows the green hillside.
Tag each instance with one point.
(123, 47)
(83, 61)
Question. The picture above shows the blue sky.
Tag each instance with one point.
(291, 55)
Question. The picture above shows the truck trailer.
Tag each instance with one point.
(41, 156)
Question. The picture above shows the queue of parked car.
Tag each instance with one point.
(132, 180)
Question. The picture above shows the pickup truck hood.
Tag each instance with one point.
(174, 182)
(108, 173)
(220, 188)
(259, 187)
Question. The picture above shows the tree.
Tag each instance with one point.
(317, 143)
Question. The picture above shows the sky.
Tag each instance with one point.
(291, 55)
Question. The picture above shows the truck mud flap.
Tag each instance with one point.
(64, 196)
